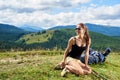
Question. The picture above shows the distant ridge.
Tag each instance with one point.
(107, 30)
(9, 28)
(10, 32)
(32, 28)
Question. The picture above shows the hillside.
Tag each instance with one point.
(38, 37)
(58, 39)
(107, 30)
(12, 37)
(10, 32)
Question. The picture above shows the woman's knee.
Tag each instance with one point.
(81, 72)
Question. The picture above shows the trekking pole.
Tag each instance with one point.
(98, 75)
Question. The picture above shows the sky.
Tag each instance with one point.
(50, 13)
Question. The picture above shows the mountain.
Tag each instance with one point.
(107, 30)
(12, 37)
(51, 39)
(10, 28)
(32, 28)
(10, 32)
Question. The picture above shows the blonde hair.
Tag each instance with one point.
(86, 34)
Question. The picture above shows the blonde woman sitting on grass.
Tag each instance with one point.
(76, 45)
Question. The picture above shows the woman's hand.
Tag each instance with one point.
(62, 63)
(87, 67)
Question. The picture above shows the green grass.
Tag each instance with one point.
(36, 37)
(39, 65)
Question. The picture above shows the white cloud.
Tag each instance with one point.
(41, 13)
(39, 4)
(104, 12)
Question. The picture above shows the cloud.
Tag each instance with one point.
(108, 15)
(104, 12)
(44, 14)
(25, 5)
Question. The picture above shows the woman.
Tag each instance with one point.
(76, 45)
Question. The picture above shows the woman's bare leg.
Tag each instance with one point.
(78, 67)
(87, 70)
(74, 67)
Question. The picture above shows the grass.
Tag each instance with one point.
(36, 37)
(39, 65)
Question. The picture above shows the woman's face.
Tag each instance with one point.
(79, 30)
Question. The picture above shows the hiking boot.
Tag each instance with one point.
(107, 51)
(58, 67)
(64, 72)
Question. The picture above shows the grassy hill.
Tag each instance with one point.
(33, 65)
(39, 37)
(58, 39)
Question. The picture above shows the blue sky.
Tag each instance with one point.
(50, 13)
(105, 2)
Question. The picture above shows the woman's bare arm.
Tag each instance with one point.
(69, 46)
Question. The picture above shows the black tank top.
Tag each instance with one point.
(76, 51)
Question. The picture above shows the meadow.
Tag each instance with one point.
(39, 65)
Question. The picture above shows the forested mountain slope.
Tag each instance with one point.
(58, 38)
